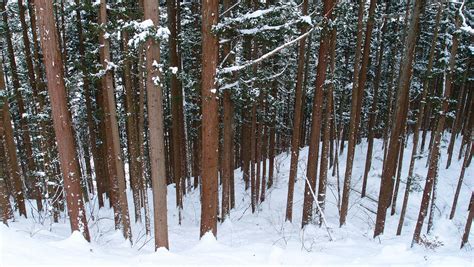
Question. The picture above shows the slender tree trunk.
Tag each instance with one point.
(135, 169)
(61, 117)
(374, 108)
(176, 106)
(34, 189)
(355, 111)
(210, 118)
(11, 149)
(328, 121)
(435, 150)
(470, 216)
(156, 128)
(460, 181)
(312, 168)
(295, 138)
(455, 125)
(419, 121)
(117, 173)
(388, 171)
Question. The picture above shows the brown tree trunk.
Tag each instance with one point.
(295, 138)
(467, 229)
(227, 144)
(156, 128)
(61, 117)
(355, 110)
(135, 167)
(419, 121)
(435, 150)
(312, 168)
(328, 119)
(210, 118)
(271, 145)
(34, 189)
(91, 147)
(374, 109)
(117, 173)
(460, 181)
(11, 149)
(176, 106)
(455, 125)
(401, 116)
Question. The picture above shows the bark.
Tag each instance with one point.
(34, 189)
(135, 165)
(373, 108)
(176, 106)
(90, 146)
(61, 117)
(312, 168)
(404, 138)
(354, 123)
(419, 121)
(460, 181)
(227, 144)
(297, 118)
(253, 191)
(5, 208)
(210, 118)
(117, 173)
(227, 161)
(156, 129)
(467, 229)
(435, 150)
(11, 149)
(271, 145)
(455, 125)
(388, 171)
(328, 120)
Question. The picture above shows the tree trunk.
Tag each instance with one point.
(295, 138)
(312, 168)
(419, 121)
(354, 123)
(11, 149)
(156, 128)
(389, 168)
(135, 165)
(210, 118)
(117, 173)
(61, 117)
(435, 150)
(34, 189)
(374, 108)
(467, 230)
(455, 125)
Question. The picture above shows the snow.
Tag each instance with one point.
(263, 237)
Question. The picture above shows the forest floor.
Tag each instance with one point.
(263, 237)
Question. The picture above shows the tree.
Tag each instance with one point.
(416, 130)
(61, 117)
(432, 175)
(11, 153)
(155, 126)
(323, 61)
(354, 123)
(114, 155)
(470, 216)
(34, 190)
(295, 139)
(210, 118)
(389, 166)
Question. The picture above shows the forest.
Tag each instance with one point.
(207, 132)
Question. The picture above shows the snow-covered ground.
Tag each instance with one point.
(263, 237)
